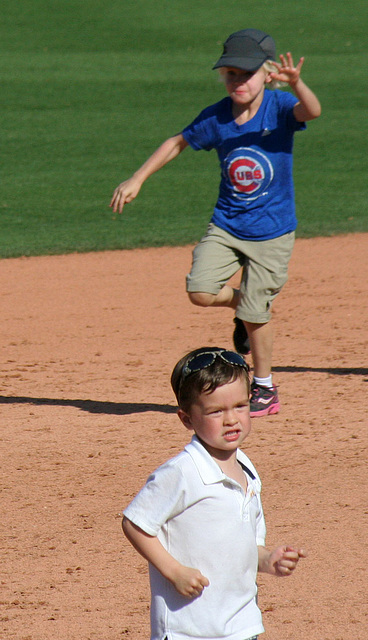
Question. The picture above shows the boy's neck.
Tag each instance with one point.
(228, 463)
(233, 469)
(221, 456)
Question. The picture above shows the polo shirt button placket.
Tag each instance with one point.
(247, 499)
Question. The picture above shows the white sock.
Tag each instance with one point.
(264, 382)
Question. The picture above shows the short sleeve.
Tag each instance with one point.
(287, 102)
(203, 132)
(161, 498)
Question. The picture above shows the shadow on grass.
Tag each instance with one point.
(92, 406)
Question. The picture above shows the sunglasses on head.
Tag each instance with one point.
(206, 358)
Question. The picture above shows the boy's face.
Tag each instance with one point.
(244, 86)
(220, 419)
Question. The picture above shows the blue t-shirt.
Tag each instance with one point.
(256, 196)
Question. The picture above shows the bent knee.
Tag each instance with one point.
(201, 299)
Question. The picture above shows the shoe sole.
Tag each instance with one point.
(268, 411)
(241, 346)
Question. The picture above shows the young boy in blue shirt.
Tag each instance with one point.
(254, 220)
(199, 519)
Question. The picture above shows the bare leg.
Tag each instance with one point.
(261, 342)
(227, 297)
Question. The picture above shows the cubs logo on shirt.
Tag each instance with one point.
(250, 172)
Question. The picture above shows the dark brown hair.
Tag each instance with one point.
(206, 380)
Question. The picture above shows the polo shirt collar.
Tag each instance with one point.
(207, 468)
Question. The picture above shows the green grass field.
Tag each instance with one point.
(90, 89)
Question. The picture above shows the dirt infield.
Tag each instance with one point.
(88, 344)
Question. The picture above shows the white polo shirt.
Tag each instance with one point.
(206, 521)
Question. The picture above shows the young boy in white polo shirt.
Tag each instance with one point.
(199, 520)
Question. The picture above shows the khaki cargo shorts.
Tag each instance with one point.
(219, 255)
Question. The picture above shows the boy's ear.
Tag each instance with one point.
(185, 419)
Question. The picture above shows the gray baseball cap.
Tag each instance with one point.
(247, 49)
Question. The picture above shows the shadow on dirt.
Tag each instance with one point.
(92, 406)
(335, 371)
(126, 408)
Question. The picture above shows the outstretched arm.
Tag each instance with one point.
(308, 106)
(129, 189)
(187, 581)
(280, 562)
